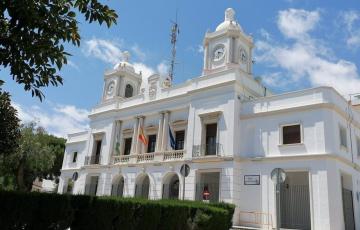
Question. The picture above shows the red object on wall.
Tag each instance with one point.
(206, 193)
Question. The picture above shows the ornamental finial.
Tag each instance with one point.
(229, 14)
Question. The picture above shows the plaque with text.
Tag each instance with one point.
(252, 180)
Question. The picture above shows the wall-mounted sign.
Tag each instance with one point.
(251, 179)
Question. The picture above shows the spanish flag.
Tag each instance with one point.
(142, 136)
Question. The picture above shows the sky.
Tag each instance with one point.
(298, 44)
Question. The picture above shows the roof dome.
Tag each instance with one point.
(229, 22)
(125, 65)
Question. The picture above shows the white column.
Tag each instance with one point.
(134, 137)
(165, 131)
(139, 145)
(206, 59)
(160, 132)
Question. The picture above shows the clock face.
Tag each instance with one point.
(219, 53)
(243, 56)
(110, 88)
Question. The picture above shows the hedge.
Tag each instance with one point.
(55, 211)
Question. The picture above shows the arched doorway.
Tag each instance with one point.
(171, 186)
(117, 186)
(142, 186)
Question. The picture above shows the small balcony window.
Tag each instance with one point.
(210, 141)
(291, 134)
(343, 136)
(151, 143)
(74, 157)
(127, 146)
(179, 139)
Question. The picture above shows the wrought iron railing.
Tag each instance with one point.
(204, 150)
(92, 160)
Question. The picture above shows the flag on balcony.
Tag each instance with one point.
(117, 147)
(117, 139)
(142, 136)
(172, 142)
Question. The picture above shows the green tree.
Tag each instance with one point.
(57, 148)
(37, 156)
(9, 125)
(33, 33)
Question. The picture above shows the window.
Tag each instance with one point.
(179, 139)
(151, 144)
(127, 146)
(291, 134)
(128, 91)
(74, 157)
(96, 159)
(358, 146)
(343, 137)
(98, 147)
(210, 145)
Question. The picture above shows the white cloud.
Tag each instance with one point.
(105, 50)
(112, 53)
(265, 34)
(304, 60)
(138, 52)
(296, 23)
(73, 65)
(144, 69)
(200, 49)
(58, 120)
(351, 20)
(163, 68)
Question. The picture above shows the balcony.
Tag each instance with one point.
(207, 150)
(149, 157)
(92, 160)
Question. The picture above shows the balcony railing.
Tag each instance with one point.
(207, 150)
(145, 157)
(92, 160)
(173, 155)
(149, 157)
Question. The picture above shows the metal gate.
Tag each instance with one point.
(348, 209)
(295, 206)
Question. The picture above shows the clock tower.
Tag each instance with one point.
(122, 82)
(227, 47)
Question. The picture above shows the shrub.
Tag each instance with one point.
(80, 212)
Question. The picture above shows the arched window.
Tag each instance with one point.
(128, 91)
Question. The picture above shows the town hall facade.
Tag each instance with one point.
(232, 132)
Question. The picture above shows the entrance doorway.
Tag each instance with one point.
(295, 201)
(171, 187)
(142, 186)
(347, 198)
(117, 187)
(208, 186)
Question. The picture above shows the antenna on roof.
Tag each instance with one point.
(174, 35)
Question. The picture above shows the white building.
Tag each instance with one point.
(232, 132)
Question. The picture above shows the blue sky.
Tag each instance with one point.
(299, 44)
